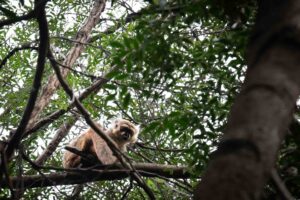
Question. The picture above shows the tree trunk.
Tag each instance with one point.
(262, 111)
(81, 40)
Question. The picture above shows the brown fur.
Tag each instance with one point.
(91, 142)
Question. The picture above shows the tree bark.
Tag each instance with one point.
(262, 111)
(82, 38)
(59, 135)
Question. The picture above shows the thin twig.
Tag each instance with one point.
(281, 186)
(15, 50)
(159, 149)
(128, 190)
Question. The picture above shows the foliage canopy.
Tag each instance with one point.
(174, 68)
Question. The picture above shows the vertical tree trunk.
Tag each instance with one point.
(260, 115)
(82, 38)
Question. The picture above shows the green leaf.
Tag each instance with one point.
(175, 114)
(112, 74)
(134, 86)
(116, 44)
(127, 42)
(121, 76)
(126, 101)
(110, 86)
(152, 126)
(110, 97)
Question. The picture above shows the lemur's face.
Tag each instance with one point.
(125, 131)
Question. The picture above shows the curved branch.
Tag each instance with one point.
(15, 50)
(43, 49)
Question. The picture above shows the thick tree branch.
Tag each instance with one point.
(82, 37)
(91, 175)
(4, 169)
(55, 115)
(43, 48)
(40, 5)
(261, 114)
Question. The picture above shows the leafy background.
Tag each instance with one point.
(177, 66)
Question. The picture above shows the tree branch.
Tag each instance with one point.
(91, 175)
(281, 186)
(55, 115)
(82, 37)
(261, 113)
(31, 15)
(60, 134)
(15, 50)
(43, 48)
(28, 16)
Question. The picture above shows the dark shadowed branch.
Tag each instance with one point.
(43, 48)
(10, 21)
(15, 50)
(40, 5)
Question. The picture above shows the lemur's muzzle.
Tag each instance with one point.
(126, 133)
